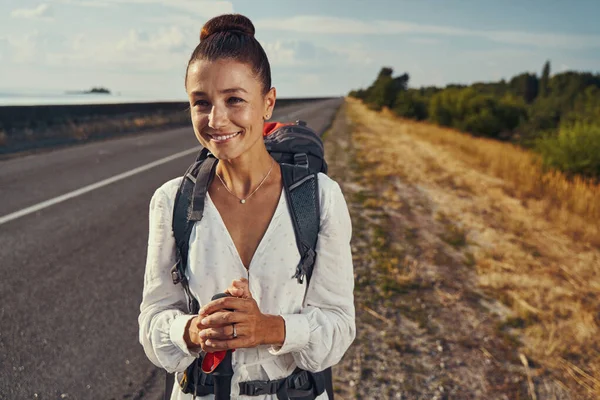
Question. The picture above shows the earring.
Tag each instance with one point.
(267, 116)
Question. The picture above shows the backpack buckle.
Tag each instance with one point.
(304, 267)
(259, 388)
(176, 274)
(301, 159)
(298, 381)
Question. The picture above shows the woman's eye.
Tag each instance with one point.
(201, 103)
(235, 100)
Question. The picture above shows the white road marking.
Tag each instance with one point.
(291, 116)
(89, 188)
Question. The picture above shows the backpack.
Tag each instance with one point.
(300, 152)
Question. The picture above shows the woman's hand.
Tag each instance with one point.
(192, 334)
(252, 327)
(239, 288)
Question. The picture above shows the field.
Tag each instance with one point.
(477, 273)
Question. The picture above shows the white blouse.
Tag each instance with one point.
(319, 322)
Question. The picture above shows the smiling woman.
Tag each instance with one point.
(228, 109)
(286, 334)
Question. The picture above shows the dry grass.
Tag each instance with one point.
(533, 237)
(84, 130)
(573, 204)
(69, 130)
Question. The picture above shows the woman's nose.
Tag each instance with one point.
(217, 117)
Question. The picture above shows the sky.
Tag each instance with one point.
(316, 47)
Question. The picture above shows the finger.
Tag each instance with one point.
(239, 288)
(223, 333)
(241, 283)
(244, 286)
(194, 331)
(235, 292)
(225, 303)
(222, 318)
(219, 345)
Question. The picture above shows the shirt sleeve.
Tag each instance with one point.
(325, 328)
(163, 311)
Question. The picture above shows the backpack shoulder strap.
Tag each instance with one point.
(187, 210)
(302, 192)
(301, 188)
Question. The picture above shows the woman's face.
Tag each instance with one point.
(227, 106)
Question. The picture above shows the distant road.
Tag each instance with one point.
(73, 234)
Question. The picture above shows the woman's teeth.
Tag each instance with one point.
(224, 137)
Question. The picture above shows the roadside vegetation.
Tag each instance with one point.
(477, 270)
(556, 116)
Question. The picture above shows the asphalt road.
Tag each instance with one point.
(72, 272)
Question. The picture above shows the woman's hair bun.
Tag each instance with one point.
(225, 23)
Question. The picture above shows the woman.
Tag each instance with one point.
(245, 244)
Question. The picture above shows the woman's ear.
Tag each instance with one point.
(270, 99)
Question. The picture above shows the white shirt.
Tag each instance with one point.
(319, 324)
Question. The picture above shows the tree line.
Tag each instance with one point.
(557, 115)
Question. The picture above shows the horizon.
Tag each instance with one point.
(315, 49)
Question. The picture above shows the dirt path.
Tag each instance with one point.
(427, 327)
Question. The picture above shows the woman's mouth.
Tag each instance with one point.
(223, 138)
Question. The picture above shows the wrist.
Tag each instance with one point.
(274, 328)
(191, 330)
(186, 335)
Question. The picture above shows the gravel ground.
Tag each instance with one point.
(424, 331)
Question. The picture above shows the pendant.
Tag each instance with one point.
(243, 201)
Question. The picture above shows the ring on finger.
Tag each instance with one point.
(234, 331)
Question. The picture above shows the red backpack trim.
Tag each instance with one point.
(212, 360)
(271, 127)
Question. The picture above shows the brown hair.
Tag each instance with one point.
(232, 36)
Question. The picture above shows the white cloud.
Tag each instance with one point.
(347, 26)
(166, 39)
(425, 40)
(177, 19)
(86, 3)
(43, 11)
(169, 48)
(279, 54)
(203, 8)
(310, 79)
(564, 68)
(3, 48)
(24, 48)
(410, 28)
(303, 53)
(315, 24)
(137, 51)
(357, 54)
(207, 8)
(562, 40)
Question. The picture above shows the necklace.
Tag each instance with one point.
(254, 191)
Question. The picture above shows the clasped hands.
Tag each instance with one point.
(213, 329)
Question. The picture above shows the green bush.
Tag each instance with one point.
(574, 150)
(482, 123)
(558, 115)
(411, 104)
(478, 113)
(444, 108)
(586, 107)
